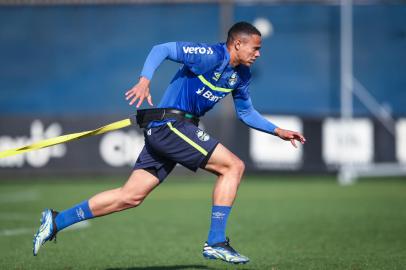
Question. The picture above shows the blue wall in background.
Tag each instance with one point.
(300, 64)
(81, 59)
(75, 60)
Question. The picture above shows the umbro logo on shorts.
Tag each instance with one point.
(203, 136)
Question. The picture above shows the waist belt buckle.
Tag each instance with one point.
(163, 115)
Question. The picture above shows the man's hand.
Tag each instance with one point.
(291, 136)
(139, 91)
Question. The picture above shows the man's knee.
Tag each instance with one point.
(137, 188)
(223, 162)
(236, 167)
(239, 167)
(130, 201)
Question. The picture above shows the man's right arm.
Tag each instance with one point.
(196, 56)
(157, 55)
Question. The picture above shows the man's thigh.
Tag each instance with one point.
(221, 160)
(140, 183)
(153, 163)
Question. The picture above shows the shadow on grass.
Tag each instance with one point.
(169, 267)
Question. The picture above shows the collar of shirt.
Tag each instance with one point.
(226, 61)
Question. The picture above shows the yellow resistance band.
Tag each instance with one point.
(66, 138)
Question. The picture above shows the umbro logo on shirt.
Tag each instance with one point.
(197, 50)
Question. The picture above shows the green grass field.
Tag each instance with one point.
(279, 222)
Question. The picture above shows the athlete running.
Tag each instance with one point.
(208, 73)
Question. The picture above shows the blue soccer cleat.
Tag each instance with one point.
(223, 251)
(47, 231)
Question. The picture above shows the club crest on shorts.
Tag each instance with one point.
(203, 136)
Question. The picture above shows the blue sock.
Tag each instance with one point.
(73, 215)
(219, 216)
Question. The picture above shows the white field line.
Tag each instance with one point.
(15, 216)
(78, 226)
(20, 196)
(20, 231)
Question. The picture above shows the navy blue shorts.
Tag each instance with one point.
(174, 142)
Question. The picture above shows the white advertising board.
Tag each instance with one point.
(268, 151)
(347, 141)
(401, 140)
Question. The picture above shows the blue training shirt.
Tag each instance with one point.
(205, 77)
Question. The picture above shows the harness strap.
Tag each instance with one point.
(144, 117)
(66, 138)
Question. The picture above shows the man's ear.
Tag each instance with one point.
(237, 44)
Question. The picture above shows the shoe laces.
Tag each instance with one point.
(54, 232)
(227, 244)
(53, 238)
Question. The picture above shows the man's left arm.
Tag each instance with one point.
(252, 118)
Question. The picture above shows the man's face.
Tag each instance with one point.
(248, 49)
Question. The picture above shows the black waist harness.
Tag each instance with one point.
(144, 117)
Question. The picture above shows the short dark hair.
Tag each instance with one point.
(241, 28)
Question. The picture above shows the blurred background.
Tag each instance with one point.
(334, 70)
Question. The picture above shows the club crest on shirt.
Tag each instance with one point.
(216, 76)
(203, 136)
(233, 79)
